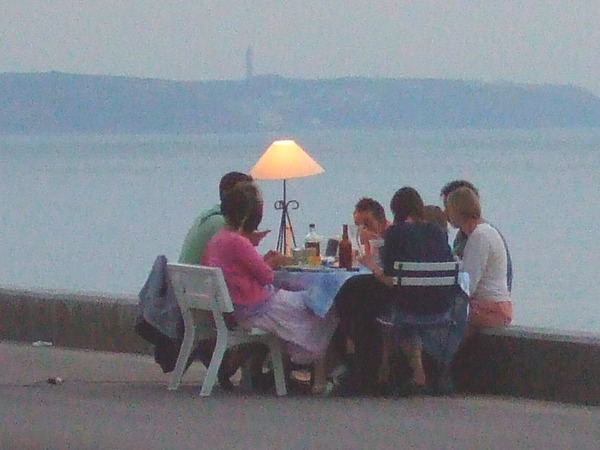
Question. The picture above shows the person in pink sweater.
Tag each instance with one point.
(249, 278)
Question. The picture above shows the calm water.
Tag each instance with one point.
(90, 213)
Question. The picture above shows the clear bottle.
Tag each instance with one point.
(345, 249)
(313, 240)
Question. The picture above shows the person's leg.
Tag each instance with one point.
(233, 359)
(383, 378)
(467, 360)
(359, 302)
(324, 366)
(347, 305)
(413, 349)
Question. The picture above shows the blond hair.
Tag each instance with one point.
(465, 202)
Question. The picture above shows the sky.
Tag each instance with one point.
(545, 41)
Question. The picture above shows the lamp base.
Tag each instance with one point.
(286, 240)
(284, 244)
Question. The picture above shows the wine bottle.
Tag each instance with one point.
(345, 250)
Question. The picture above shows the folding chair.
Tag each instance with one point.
(203, 288)
(437, 278)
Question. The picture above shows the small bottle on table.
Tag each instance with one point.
(313, 240)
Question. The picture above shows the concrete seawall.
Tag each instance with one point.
(77, 320)
(533, 363)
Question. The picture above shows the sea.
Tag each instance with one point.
(89, 213)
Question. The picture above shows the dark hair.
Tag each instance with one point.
(434, 214)
(242, 207)
(367, 204)
(454, 185)
(406, 203)
(231, 179)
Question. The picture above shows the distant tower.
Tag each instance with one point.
(249, 61)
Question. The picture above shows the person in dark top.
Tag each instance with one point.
(413, 239)
(364, 298)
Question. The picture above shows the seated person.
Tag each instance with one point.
(359, 302)
(435, 214)
(460, 240)
(205, 226)
(369, 215)
(249, 278)
(484, 259)
(363, 298)
(410, 238)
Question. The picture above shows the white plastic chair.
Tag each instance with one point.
(203, 288)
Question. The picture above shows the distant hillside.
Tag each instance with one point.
(64, 103)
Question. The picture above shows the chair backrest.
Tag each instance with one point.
(426, 273)
(200, 287)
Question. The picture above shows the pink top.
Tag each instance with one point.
(248, 278)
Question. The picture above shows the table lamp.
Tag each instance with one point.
(284, 160)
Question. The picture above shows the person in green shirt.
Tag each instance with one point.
(204, 227)
(208, 223)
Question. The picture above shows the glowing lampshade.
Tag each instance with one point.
(284, 160)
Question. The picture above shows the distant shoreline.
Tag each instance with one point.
(59, 103)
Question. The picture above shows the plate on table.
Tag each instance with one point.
(296, 268)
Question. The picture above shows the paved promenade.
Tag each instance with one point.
(120, 401)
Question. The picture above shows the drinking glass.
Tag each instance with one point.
(354, 232)
(374, 246)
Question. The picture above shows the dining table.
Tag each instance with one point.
(322, 284)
